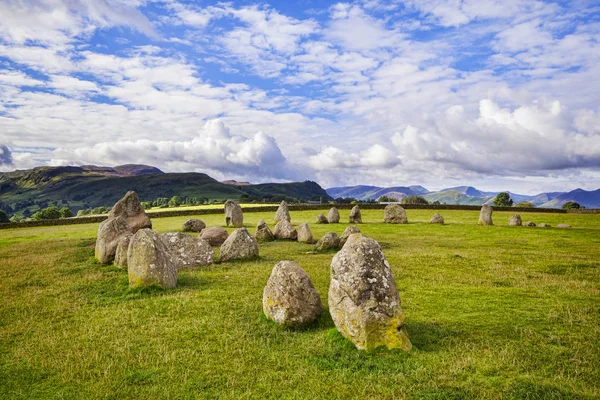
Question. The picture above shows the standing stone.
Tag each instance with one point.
(150, 262)
(283, 212)
(515, 220)
(239, 245)
(394, 214)
(109, 232)
(188, 251)
(215, 236)
(485, 216)
(194, 225)
(233, 214)
(333, 217)
(285, 230)
(347, 232)
(437, 219)
(131, 210)
(529, 223)
(329, 241)
(290, 297)
(363, 298)
(355, 217)
(322, 219)
(544, 226)
(304, 234)
(122, 247)
(263, 232)
(564, 226)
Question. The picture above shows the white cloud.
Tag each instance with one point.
(331, 158)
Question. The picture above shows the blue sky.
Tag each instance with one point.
(502, 95)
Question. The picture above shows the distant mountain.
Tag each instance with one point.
(235, 183)
(587, 199)
(91, 186)
(375, 192)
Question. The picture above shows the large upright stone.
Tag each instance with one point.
(233, 214)
(239, 245)
(363, 299)
(188, 251)
(322, 219)
(394, 214)
(121, 252)
(285, 230)
(150, 262)
(329, 241)
(129, 207)
(194, 225)
(109, 232)
(350, 230)
(485, 215)
(304, 234)
(215, 236)
(333, 217)
(290, 297)
(437, 219)
(355, 217)
(515, 220)
(263, 232)
(283, 212)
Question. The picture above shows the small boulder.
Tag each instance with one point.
(437, 219)
(215, 236)
(563, 226)
(515, 220)
(130, 208)
(150, 262)
(329, 241)
(109, 232)
(304, 234)
(283, 212)
(394, 214)
(333, 217)
(233, 214)
(529, 223)
(285, 230)
(544, 226)
(355, 217)
(290, 297)
(194, 225)
(263, 232)
(485, 215)
(322, 219)
(363, 299)
(121, 252)
(239, 245)
(188, 251)
(347, 232)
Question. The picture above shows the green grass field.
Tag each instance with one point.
(493, 313)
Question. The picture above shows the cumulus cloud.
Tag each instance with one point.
(332, 158)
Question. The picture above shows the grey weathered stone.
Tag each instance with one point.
(394, 214)
(150, 262)
(329, 241)
(363, 299)
(350, 230)
(529, 223)
(233, 214)
(215, 236)
(290, 298)
(188, 251)
(263, 232)
(437, 219)
(109, 232)
(239, 245)
(322, 219)
(563, 226)
(282, 212)
(333, 216)
(304, 234)
(355, 216)
(285, 230)
(515, 220)
(194, 225)
(485, 215)
(122, 247)
(131, 210)
(544, 226)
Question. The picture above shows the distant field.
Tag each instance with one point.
(492, 312)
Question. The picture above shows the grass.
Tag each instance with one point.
(493, 312)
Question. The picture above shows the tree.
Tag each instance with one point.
(146, 205)
(525, 204)
(503, 200)
(387, 199)
(571, 205)
(4, 217)
(47, 213)
(66, 212)
(175, 201)
(414, 200)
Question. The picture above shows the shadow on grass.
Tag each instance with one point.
(324, 322)
(430, 336)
